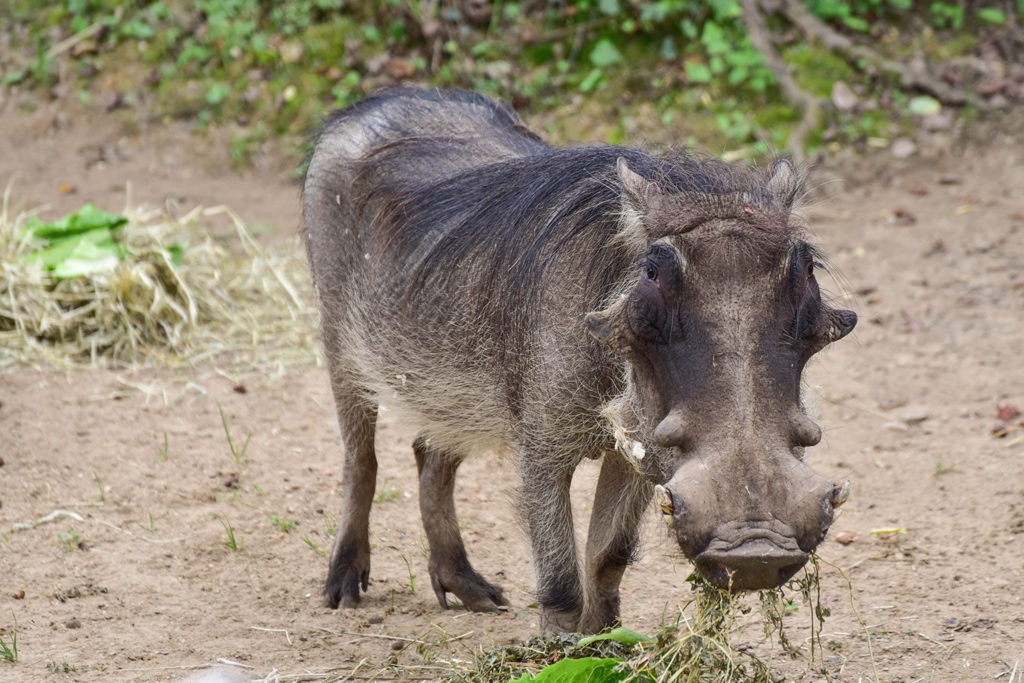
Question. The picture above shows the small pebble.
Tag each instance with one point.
(397, 645)
(903, 148)
(843, 97)
(375, 619)
(844, 538)
(914, 414)
(73, 622)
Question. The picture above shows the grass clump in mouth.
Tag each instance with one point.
(145, 288)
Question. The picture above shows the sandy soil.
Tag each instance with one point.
(117, 490)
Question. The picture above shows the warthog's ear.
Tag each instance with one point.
(842, 324)
(638, 197)
(784, 183)
(839, 323)
(610, 327)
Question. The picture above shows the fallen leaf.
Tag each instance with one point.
(903, 217)
(399, 68)
(1007, 412)
(923, 105)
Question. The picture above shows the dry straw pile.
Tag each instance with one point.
(697, 646)
(178, 293)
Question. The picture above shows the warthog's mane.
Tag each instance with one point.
(505, 225)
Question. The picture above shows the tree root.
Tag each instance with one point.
(760, 38)
(914, 74)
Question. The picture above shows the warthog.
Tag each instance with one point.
(560, 304)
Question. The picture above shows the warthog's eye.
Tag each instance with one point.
(808, 287)
(801, 273)
(806, 297)
(650, 318)
(661, 261)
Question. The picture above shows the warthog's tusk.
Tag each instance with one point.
(665, 503)
(840, 494)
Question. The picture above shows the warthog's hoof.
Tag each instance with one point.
(350, 571)
(475, 592)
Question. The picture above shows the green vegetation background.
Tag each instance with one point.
(666, 71)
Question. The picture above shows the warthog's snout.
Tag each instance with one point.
(757, 550)
(758, 562)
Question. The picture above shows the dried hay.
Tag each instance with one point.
(695, 647)
(180, 295)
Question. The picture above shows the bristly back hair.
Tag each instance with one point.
(551, 202)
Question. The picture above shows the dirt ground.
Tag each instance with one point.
(118, 489)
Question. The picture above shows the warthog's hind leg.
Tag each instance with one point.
(350, 558)
(450, 570)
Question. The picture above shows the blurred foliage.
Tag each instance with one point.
(664, 70)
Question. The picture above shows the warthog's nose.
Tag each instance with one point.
(756, 564)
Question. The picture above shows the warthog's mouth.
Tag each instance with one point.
(761, 561)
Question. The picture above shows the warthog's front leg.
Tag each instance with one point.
(619, 504)
(450, 570)
(548, 514)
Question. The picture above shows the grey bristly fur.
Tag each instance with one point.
(456, 258)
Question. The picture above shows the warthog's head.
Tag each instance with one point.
(717, 325)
